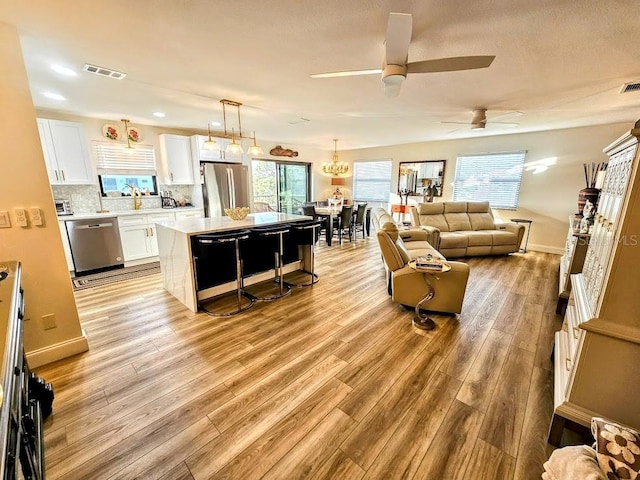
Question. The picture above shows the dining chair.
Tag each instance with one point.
(358, 220)
(309, 210)
(343, 222)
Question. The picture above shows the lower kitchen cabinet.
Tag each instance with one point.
(135, 235)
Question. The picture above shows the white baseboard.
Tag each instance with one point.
(43, 356)
(545, 249)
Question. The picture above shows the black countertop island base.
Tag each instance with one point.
(215, 269)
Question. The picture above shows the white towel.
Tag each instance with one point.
(573, 463)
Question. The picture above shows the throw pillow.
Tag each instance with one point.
(618, 449)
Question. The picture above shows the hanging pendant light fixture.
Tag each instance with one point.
(126, 133)
(235, 148)
(254, 150)
(335, 167)
(210, 145)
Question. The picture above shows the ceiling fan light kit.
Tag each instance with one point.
(335, 167)
(395, 64)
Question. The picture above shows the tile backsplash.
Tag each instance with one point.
(86, 198)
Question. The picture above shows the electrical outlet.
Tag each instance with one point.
(35, 214)
(5, 221)
(20, 215)
(49, 321)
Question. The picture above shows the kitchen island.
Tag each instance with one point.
(176, 252)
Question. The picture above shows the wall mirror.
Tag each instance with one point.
(425, 177)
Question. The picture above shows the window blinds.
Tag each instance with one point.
(493, 177)
(114, 156)
(372, 181)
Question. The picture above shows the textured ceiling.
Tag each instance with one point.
(558, 64)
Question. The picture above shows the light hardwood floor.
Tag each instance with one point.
(330, 382)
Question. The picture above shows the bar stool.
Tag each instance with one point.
(307, 233)
(217, 239)
(271, 239)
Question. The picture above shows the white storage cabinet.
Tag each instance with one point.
(175, 153)
(66, 153)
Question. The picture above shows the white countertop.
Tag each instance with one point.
(145, 211)
(194, 226)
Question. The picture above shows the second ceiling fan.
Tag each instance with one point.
(395, 66)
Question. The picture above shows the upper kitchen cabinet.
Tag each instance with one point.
(66, 154)
(175, 152)
(202, 155)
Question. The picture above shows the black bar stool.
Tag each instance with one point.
(307, 233)
(208, 241)
(270, 239)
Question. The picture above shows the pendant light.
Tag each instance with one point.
(254, 150)
(233, 148)
(210, 145)
(126, 133)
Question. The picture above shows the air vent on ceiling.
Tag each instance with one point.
(105, 72)
(630, 87)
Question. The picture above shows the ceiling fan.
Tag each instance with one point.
(395, 66)
(479, 120)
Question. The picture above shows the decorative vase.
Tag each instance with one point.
(591, 194)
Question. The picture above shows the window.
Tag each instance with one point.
(372, 181)
(492, 177)
(114, 156)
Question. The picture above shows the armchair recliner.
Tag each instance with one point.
(408, 286)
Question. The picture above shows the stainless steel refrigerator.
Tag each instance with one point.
(225, 185)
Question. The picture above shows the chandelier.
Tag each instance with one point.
(335, 167)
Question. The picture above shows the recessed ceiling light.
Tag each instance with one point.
(53, 96)
(64, 70)
(216, 124)
(159, 114)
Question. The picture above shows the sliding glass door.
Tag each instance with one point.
(280, 186)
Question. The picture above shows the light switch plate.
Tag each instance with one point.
(5, 221)
(20, 217)
(36, 216)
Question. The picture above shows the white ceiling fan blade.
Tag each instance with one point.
(450, 64)
(392, 89)
(398, 38)
(504, 124)
(347, 73)
(458, 123)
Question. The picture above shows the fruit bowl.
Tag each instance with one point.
(237, 213)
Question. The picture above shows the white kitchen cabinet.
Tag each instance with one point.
(200, 154)
(66, 153)
(152, 220)
(196, 213)
(65, 244)
(175, 152)
(135, 237)
(138, 234)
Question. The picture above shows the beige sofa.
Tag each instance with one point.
(464, 229)
(406, 285)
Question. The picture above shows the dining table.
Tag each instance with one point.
(331, 212)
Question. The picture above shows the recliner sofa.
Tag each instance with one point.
(464, 229)
(408, 286)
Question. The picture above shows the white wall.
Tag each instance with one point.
(24, 183)
(547, 198)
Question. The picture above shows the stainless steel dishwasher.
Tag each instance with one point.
(95, 244)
